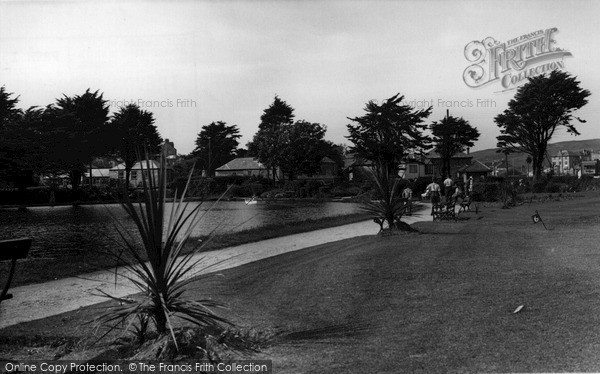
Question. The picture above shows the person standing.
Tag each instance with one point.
(470, 186)
(434, 191)
(458, 193)
(448, 188)
(407, 197)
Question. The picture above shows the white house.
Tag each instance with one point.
(138, 171)
(243, 166)
(566, 162)
(100, 177)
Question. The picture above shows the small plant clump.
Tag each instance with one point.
(163, 279)
(388, 207)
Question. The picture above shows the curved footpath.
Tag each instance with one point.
(42, 300)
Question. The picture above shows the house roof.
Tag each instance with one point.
(144, 165)
(327, 160)
(433, 154)
(475, 167)
(566, 153)
(99, 173)
(498, 165)
(242, 163)
(138, 165)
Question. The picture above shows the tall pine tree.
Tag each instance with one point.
(267, 144)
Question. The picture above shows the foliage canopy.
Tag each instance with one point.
(387, 132)
(539, 108)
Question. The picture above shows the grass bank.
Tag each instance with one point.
(440, 301)
(41, 270)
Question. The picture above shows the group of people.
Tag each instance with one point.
(452, 191)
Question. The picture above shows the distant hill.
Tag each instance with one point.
(489, 155)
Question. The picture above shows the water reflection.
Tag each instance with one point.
(68, 231)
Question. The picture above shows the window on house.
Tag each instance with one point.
(412, 169)
(429, 169)
(134, 174)
(121, 175)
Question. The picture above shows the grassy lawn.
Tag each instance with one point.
(440, 301)
(434, 302)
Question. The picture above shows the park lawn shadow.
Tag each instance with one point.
(429, 302)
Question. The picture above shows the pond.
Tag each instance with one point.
(63, 231)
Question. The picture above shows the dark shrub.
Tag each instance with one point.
(256, 188)
(312, 187)
(508, 193)
(554, 187)
(345, 190)
(539, 186)
(232, 179)
(240, 191)
(292, 186)
(324, 191)
(271, 193)
(486, 191)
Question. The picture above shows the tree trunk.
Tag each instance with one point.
(75, 179)
(537, 166)
(127, 176)
(91, 184)
(540, 158)
(75, 182)
(20, 181)
(159, 317)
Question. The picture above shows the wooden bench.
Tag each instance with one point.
(465, 205)
(443, 212)
(12, 250)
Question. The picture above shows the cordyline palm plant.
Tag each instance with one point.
(167, 272)
(390, 207)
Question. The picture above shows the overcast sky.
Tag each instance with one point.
(192, 63)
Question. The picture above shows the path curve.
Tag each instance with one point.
(42, 300)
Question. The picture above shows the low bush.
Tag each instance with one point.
(345, 190)
(46, 195)
(164, 278)
(314, 187)
(487, 191)
(539, 186)
(553, 187)
(240, 191)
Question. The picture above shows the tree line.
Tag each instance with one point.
(388, 132)
(64, 137)
(280, 144)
